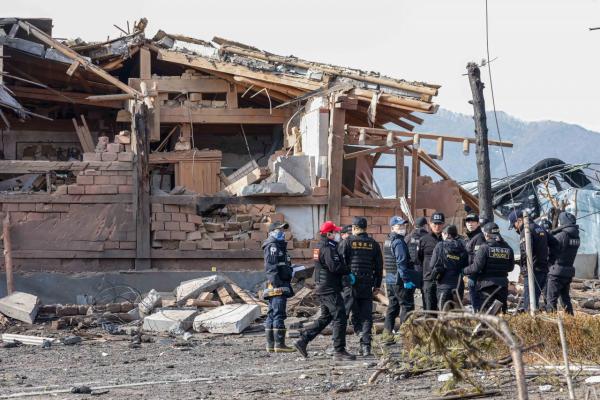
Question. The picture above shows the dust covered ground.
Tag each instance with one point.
(212, 367)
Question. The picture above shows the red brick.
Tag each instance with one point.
(257, 235)
(125, 189)
(118, 180)
(205, 244)
(60, 207)
(102, 180)
(127, 245)
(27, 207)
(157, 207)
(196, 219)
(101, 189)
(91, 157)
(162, 235)
(371, 212)
(172, 226)
(373, 229)
(75, 189)
(386, 212)
(187, 226)
(346, 220)
(171, 208)
(178, 235)
(114, 148)
(188, 209)
(380, 220)
(276, 217)
(109, 156)
(125, 156)
(357, 211)
(185, 245)
(323, 183)
(61, 190)
(40, 207)
(176, 216)
(158, 226)
(85, 180)
(220, 246)
(320, 191)
(380, 237)
(235, 245)
(160, 216)
(251, 244)
(345, 211)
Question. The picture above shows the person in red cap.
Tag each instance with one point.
(329, 271)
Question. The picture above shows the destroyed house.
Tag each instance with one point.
(170, 152)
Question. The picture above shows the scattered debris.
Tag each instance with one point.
(20, 306)
(231, 318)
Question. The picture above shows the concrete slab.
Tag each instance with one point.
(163, 320)
(192, 288)
(230, 318)
(20, 306)
(293, 185)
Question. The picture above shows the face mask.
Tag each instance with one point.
(401, 231)
(337, 237)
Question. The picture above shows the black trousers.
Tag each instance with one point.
(493, 292)
(362, 318)
(540, 280)
(430, 295)
(444, 296)
(332, 309)
(558, 287)
(401, 302)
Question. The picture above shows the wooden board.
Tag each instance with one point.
(199, 175)
(224, 295)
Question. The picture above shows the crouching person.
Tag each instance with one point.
(492, 262)
(279, 288)
(449, 258)
(329, 271)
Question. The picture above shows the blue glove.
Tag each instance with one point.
(409, 285)
(352, 278)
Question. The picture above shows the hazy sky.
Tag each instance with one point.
(547, 66)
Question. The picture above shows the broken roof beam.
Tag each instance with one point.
(24, 92)
(180, 114)
(398, 101)
(379, 149)
(71, 54)
(247, 51)
(432, 136)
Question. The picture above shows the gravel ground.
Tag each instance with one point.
(213, 366)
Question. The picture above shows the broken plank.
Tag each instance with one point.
(248, 298)
(224, 295)
(202, 303)
(257, 175)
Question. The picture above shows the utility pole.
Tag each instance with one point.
(484, 180)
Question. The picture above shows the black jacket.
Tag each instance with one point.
(539, 249)
(362, 254)
(474, 240)
(424, 252)
(412, 241)
(329, 267)
(564, 246)
(492, 262)
(277, 263)
(447, 262)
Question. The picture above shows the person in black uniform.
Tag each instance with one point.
(363, 255)
(492, 262)
(447, 263)
(329, 270)
(279, 287)
(540, 254)
(412, 241)
(563, 252)
(424, 252)
(475, 239)
(347, 292)
(399, 275)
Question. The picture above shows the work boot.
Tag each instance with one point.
(365, 350)
(343, 356)
(300, 345)
(270, 340)
(388, 338)
(280, 346)
(330, 350)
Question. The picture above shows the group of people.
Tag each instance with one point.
(350, 266)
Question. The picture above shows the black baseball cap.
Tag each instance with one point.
(491, 229)
(360, 222)
(451, 230)
(278, 225)
(472, 217)
(421, 222)
(513, 216)
(346, 229)
(438, 218)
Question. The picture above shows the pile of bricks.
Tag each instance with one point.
(103, 177)
(241, 227)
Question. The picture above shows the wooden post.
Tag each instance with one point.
(565, 352)
(141, 191)
(484, 181)
(8, 267)
(145, 64)
(336, 162)
(530, 276)
(400, 178)
(414, 175)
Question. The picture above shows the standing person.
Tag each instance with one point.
(475, 238)
(424, 252)
(347, 292)
(279, 286)
(539, 254)
(363, 255)
(447, 263)
(564, 250)
(329, 270)
(492, 262)
(412, 241)
(398, 278)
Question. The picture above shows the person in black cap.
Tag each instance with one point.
(329, 270)
(447, 263)
(412, 241)
(363, 255)
(399, 277)
(565, 244)
(424, 252)
(539, 252)
(279, 287)
(492, 262)
(475, 239)
(346, 231)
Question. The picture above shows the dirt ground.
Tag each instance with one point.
(210, 367)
